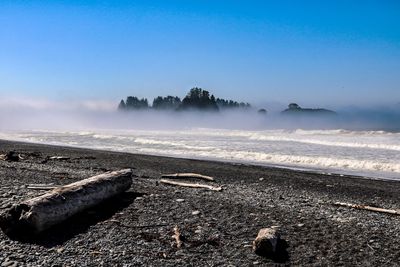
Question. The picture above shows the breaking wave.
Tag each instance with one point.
(369, 153)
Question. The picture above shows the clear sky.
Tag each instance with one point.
(325, 52)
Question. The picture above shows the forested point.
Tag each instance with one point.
(196, 99)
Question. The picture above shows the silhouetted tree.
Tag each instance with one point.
(132, 102)
(225, 104)
(169, 102)
(213, 99)
(198, 98)
(122, 105)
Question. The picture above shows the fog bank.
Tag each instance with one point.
(103, 115)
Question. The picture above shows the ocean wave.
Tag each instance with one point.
(284, 159)
(170, 143)
(332, 150)
(332, 138)
(348, 143)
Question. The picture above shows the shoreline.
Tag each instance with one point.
(333, 172)
(137, 228)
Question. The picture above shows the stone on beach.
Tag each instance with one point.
(266, 241)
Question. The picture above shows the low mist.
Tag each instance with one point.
(104, 115)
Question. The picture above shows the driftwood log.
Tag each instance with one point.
(213, 188)
(37, 214)
(188, 175)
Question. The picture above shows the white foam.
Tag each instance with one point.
(367, 152)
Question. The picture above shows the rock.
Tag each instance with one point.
(294, 109)
(262, 111)
(196, 212)
(266, 241)
(8, 263)
(180, 200)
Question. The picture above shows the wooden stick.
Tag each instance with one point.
(363, 207)
(41, 187)
(59, 158)
(39, 213)
(188, 175)
(50, 184)
(177, 235)
(136, 226)
(165, 181)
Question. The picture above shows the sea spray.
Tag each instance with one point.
(369, 153)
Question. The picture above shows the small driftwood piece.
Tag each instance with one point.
(188, 175)
(59, 158)
(37, 214)
(170, 182)
(135, 226)
(41, 187)
(178, 237)
(11, 156)
(370, 208)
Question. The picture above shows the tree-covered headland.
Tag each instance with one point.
(196, 99)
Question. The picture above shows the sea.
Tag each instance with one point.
(372, 154)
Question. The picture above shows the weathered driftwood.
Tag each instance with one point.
(370, 208)
(59, 158)
(135, 226)
(214, 188)
(39, 213)
(188, 175)
(41, 187)
(178, 237)
(11, 156)
(50, 186)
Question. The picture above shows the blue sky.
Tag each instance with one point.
(310, 52)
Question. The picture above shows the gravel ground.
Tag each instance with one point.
(136, 228)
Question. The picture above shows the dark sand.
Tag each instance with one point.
(136, 228)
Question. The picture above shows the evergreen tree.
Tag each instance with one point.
(198, 98)
(168, 102)
(122, 105)
(132, 102)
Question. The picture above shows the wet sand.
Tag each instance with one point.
(135, 229)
